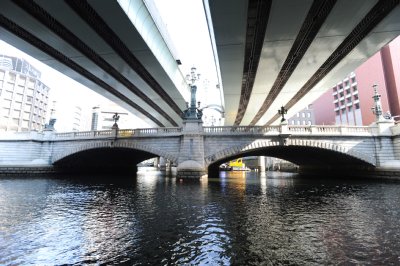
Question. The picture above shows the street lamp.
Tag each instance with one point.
(282, 112)
(377, 109)
(192, 112)
(115, 118)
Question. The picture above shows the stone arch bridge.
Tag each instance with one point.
(197, 149)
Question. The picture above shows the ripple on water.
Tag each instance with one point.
(239, 219)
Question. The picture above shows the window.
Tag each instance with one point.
(11, 76)
(6, 103)
(27, 107)
(21, 81)
(9, 86)
(25, 123)
(18, 105)
(29, 92)
(8, 95)
(19, 89)
(18, 97)
(355, 88)
(357, 106)
(16, 113)
(308, 115)
(31, 83)
(29, 99)
(6, 111)
(26, 115)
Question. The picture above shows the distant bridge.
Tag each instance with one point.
(200, 149)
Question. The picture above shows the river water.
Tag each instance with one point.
(237, 219)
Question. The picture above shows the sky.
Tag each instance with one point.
(185, 23)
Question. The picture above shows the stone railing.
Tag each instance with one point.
(331, 130)
(215, 130)
(163, 131)
(242, 130)
(120, 133)
(294, 130)
(83, 134)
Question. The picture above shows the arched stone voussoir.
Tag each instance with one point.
(112, 144)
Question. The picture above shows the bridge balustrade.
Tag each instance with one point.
(83, 134)
(331, 130)
(157, 131)
(234, 130)
(120, 133)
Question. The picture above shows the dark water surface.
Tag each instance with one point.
(238, 219)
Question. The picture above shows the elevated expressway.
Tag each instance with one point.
(271, 53)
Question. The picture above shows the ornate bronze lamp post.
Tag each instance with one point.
(377, 109)
(193, 112)
(115, 118)
(282, 112)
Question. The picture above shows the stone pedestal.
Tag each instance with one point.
(191, 154)
(384, 127)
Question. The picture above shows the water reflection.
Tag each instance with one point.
(242, 218)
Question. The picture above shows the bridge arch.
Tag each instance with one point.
(299, 151)
(107, 154)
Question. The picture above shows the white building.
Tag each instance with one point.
(23, 96)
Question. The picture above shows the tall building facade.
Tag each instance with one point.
(23, 96)
(304, 117)
(349, 102)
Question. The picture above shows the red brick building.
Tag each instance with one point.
(349, 102)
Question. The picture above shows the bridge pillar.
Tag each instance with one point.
(191, 154)
(261, 164)
(162, 164)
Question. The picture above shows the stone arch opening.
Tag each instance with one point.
(103, 160)
(311, 156)
(105, 157)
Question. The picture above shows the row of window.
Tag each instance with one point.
(348, 109)
(298, 122)
(303, 114)
(344, 84)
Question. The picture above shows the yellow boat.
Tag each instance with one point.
(238, 165)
